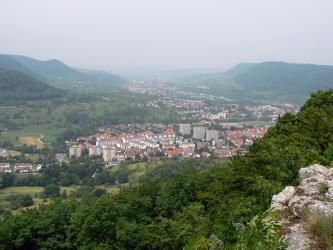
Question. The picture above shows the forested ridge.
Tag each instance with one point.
(18, 88)
(270, 81)
(195, 207)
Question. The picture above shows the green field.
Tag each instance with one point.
(49, 133)
(35, 191)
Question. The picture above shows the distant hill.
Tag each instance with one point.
(270, 81)
(287, 78)
(9, 63)
(239, 69)
(61, 75)
(17, 87)
(48, 69)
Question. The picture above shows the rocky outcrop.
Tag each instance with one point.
(314, 195)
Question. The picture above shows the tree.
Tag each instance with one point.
(51, 190)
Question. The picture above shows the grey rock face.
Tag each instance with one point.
(280, 201)
(313, 170)
(298, 238)
(314, 194)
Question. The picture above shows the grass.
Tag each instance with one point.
(321, 227)
(20, 190)
(33, 191)
(49, 133)
(323, 188)
(14, 153)
(111, 189)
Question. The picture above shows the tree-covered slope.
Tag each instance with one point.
(60, 75)
(48, 69)
(8, 63)
(195, 208)
(239, 69)
(17, 87)
(270, 82)
(286, 78)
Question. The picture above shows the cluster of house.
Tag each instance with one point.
(116, 148)
(129, 145)
(240, 138)
(18, 168)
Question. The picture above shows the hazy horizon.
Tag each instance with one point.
(148, 34)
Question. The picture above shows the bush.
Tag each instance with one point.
(262, 232)
(20, 200)
(51, 190)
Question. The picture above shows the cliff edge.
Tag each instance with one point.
(306, 211)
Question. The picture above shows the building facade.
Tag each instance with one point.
(108, 154)
(199, 133)
(212, 135)
(185, 129)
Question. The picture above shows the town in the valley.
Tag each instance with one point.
(156, 141)
(207, 126)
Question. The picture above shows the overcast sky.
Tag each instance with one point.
(115, 34)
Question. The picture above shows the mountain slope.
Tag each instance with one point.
(8, 63)
(48, 69)
(239, 69)
(60, 75)
(17, 87)
(287, 78)
(270, 82)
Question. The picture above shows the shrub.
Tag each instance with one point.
(262, 232)
(323, 188)
(51, 190)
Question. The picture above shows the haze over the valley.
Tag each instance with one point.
(123, 35)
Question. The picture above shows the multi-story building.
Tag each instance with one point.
(199, 132)
(108, 154)
(76, 151)
(212, 135)
(185, 129)
(94, 150)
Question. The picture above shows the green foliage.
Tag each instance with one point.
(51, 190)
(194, 204)
(17, 87)
(262, 233)
(20, 200)
(105, 177)
(270, 81)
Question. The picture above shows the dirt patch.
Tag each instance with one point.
(31, 141)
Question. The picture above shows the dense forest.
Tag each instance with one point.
(17, 87)
(192, 208)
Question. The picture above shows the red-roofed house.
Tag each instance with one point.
(23, 168)
(5, 168)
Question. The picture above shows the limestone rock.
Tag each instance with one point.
(298, 238)
(314, 194)
(280, 200)
(312, 170)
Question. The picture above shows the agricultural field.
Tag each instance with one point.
(14, 153)
(32, 141)
(34, 192)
